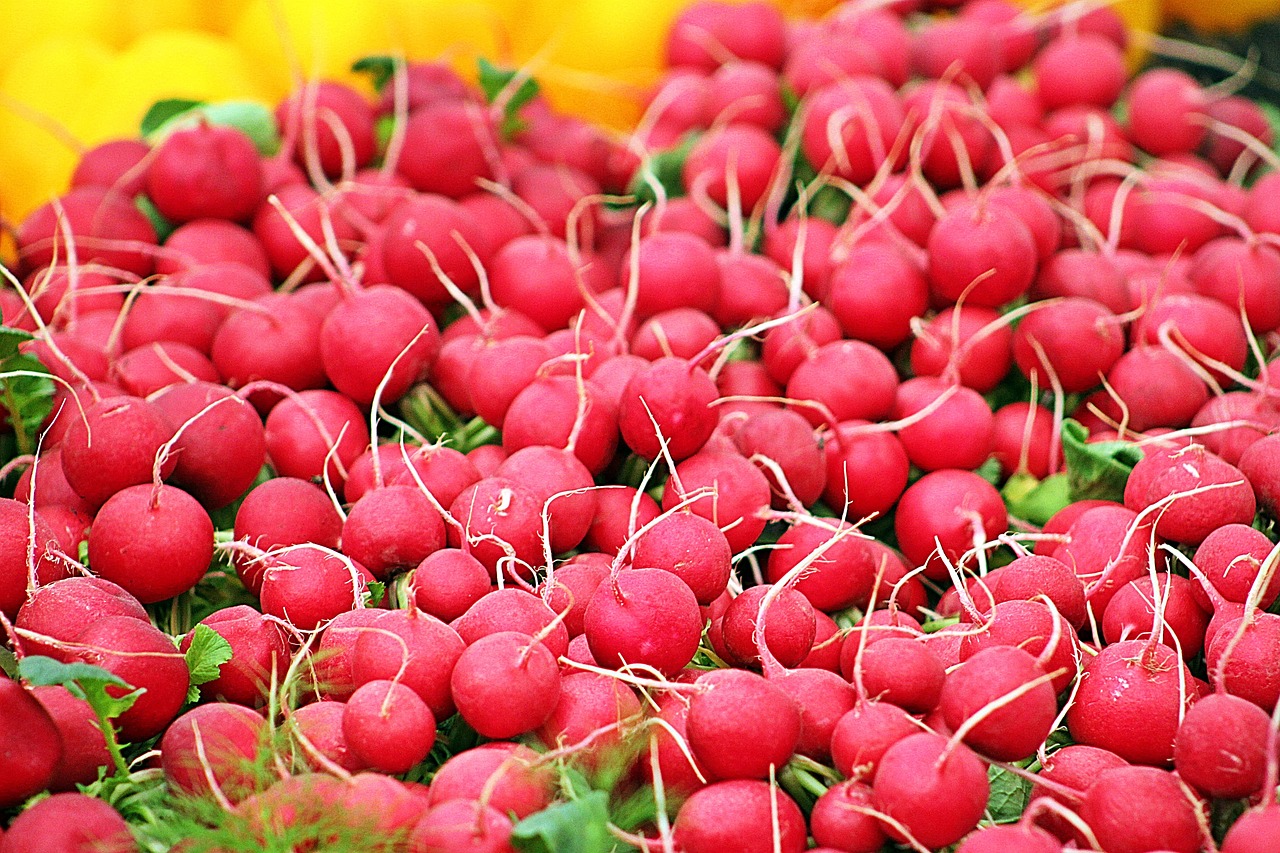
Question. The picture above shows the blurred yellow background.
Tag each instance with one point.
(76, 72)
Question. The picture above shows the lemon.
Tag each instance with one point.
(24, 23)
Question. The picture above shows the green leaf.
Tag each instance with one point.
(26, 399)
(579, 826)
(1035, 500)
(990, 471)
(158, 221)
(161, 112)
(379, 68)
(208, 651)
(1096, 471)
(374, 594)
(667, 167)
(255, 120)
(83, 680)
(493, 80)
(1009, 795)
(11, 339)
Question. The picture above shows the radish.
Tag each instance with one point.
(1260, 416)
(588, 706)
(84, 748)
(744, 815)
(318, 740)
(1000, 701)
(62, 609)
(316, 434)
(500, 519)
(752, 288)
(733, 704)
(204, 242)
(459, 825)
(1199, 325)
(25, 543)
(788, 627)
(610, 528)
(506, 772)
(965, 343)
(1254, 830)
(933, 791)
(142, 657)
(1221, 747)
(682, 332)
(212, 748)
(1241, 658)
(1024, 441)
(1169, 818)
(558, 411)
(406, 343)
(221, 449)
(1190, 518)
(514, 610)
(332, 123)
(387, 727)
(1261, 465)
(851, 378)
(735, 153)
(1166, 111)
(931, 441)
(863, 735)
(1076, 273)
(942, 118)
(556, 299)
(258, 651)
(1077, 339)
(972, 240)
(1072, 768)
(448, 582)
(30, 745)
(505, 684)
(564, 488)
(902, 672)
(674, 270)
(788, 345)
(1033, 575)
(1230, 270)
(690, 547)
(1010, 839)
(841, 576)
(205, 171)
(962, 46)
(410, 648)
(307, 585)
(875, 292)
(842, 819)
(738, 494)
(749, 92)
(332, 674)
(1131, 614)
(952, 507)
(850, 126)
(866, 471)
(823, 699)
(113, 164)
(142, 526)
(392, 529)
(827, 56)
(149, 368)
(114, 446)
(1058, 82)
(66, 823)
(444, 471)
(431, 220)
(643, 616)
(1130, 701)
(704, 33)
(105, 225)
(1107, 547)
(1230, 558)
(284, 511)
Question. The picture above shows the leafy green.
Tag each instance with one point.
(666, 168)
(578, 826)
(161, 112)
(1035, 500)
(255, 120)
(25, 392)
(1009, 795)
(379, 68)
(374, 594)
(494, 80)
(208, 651)
(163, 226)
(1096, 471)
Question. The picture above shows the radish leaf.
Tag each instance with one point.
(578, 826)
(25, 391)
(1096, 471)
(1009, 796)
(208, 651)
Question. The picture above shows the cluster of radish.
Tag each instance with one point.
(796, 379)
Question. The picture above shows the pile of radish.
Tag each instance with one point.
(876, 449)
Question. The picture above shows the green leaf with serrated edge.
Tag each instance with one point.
(255, 120)
(1096, 471)
(990, 471)
(164, 111)
(26, 394)
(379, 68)
(578, 826)
(1009, 795)
(11, 339)
(374, 594)
(208, 651)
(493, 80)
(1035, 500)
(82, 680)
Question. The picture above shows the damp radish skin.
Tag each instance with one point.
(1169, 818)
(1000, 674)
(937, 505)
(1221, 747)
(643, 616)
(1231, 558)
(841, 819)
(30, 745)
(1074, 768)
(692, 548)
(1242, 656)
(506, 771)
(448, 582)
(392, 529)
(743, 814)
(1132, 615)
(114, 446)
(863, 735)
(388, 727)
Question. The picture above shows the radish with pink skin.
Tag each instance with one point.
(589, 702)
(278, 342)
(1221, 747)
(946, 505)
(332, 675)
(675, 270)
(1166, 111)
(827, 56)
(901, 672)
(740, 494)
(1131, 614)
(851, 378)
(1080, 339)
(213, 745)
(1254, 831)
(1130, 701)
(960, 45)
(388, 727)
(678, 396)
(462, 825)
(500, 518)
(357, 364)
(1258, 412)
(69, 823)
(205, 171)
(1073, 767)
(1191, 518)
(1230, 269)
(950, 345)
(690, 547)
(841, 576)
(61, 610)
(1010, 839)
(790, 344)
(298, 447)
(505, 684)
(258, 650)
(283, 511)
(1261, 465)
(643, 616)
(841, 819)
(142, 657)
(823, 699)
(704, 32)
(867, 471)
(318, 740)
(735, 707)
(936, 790)
(742, 815)
(610, 527)
(113, 164)
(114, 446)
(447, 583)
(558, 412)
(875, 292)
(334, 118)
(507, 772)
(154, 541)
(996, 684)
(574, 584)
(209, 242)
(512, 609)
(1231, 557)
(500, 371)
(935, 441)
(413, 649)
(680, 332)
(788, 627)
(84, 749)
(1094, 551)
(105, 224)
(25, 542)
(850, 126)
(307, 586)
(431, 220)
(737, 152)
(1242, 658)
(863, 735)
(1197, 325)
(1023, 440)
(545, 260)
(1140, 809)
(752, 288)
(1030, 626)
(30, 745)
(563, 486)
(392, 529)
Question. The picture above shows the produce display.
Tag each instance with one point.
(875, 448)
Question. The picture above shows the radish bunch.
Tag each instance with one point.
(876, 447)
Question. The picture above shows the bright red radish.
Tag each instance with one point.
(30, 745)
(205, 171)
(506, 684)
(952, 507)
(412, 648)
(392, 529)
(1140, 809)
(1221, 747)
(317, 434)
(690, 547)
(841, 819)
(743, 815)
(935, 790)
(66, 823)
(388, 727)
(863, 735)
(213, 745)
(643, 616)
(113, 446)
(734, 707)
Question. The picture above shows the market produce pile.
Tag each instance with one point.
(877, 449)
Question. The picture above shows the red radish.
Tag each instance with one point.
(674, 270)
(1191, 518)
(1230, 557)
(947, 505)
(333, 121)
(788, 345)
(407, 338)
(307, 586)
(875, 292)
(947, 108)
(1073, 767)
(388, 727)
(749, 92)
(213, 746)
(392, 529)
(1138, 809)
(413, 649)
(257, 649)
(589, 703)
(1259, 414)
(863, 735)
(1130, 701)
(202, 242)
(450, 143)
(1010, 839)
(1254, 831)
(431, 220)
(142, 657)
(515, 268)
(1261, 465)
(308, 211)
(841, 576)
(564, 489)
(116, 164)
(300, 447)
(901, 672)
(105, 225)
(934, 790)
(505, 684)
(1157, 389)
(66, 823)
(866, 471)
(447, 583)
(114, 446)
(1077, 273)
(151, 367)
(690, 547)
(1197, 324)
(501, 519)
(284, 511)
(970, 241)
(1024, 441)
(505, 771)
(513, 610)
(950, 45)
(732, 705)
(995, 687)
(571, 590)
(850, 126)
(682, 332)
(851, 378)
(1058, 82)
(1108, 547)
(84, 749)
(823, 699)
(25, 541)
(1131, 614)
(319, 742)
(966, 343)
(678, 397)
(752, 288)
(1166, 111)
(459, 825)
(1078, 339)
(62, 609)
(1221, 747)
(1241, 658)
(1032, 575)
(1229, 270)
(277, 342)
(737, 153)
(141, 526)
(827, 56)
(842, 820)
(739, 499)
(932, 442)
(221, 450)
(333, 676)
(206, 171)
(704, 33)
(30, 745)
(743, 815)
(611, 526)
(788, 627)
(444, 471)
(643, 616)
(557, 411)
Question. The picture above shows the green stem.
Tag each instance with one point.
(113, 743)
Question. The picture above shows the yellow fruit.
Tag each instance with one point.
(43, 100)
(139, 17)
(25, 23)
(456, 31)
(1227, 15)
(166, 64)
(311, 38)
